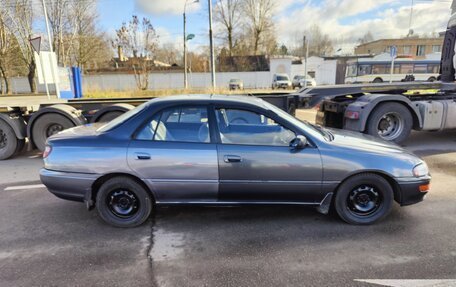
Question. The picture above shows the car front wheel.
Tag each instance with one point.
(123, 202)
(364, 199)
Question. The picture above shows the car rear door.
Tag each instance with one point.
(257, 164)
(175, 155)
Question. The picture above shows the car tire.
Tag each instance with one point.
(48, 125)
(109, 116)
(123, 202)
(364, 199)
(8, 141)
(20, 146)
(292, 109)
(378, 80)
(402, 122)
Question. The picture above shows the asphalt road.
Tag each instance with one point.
(45, 241)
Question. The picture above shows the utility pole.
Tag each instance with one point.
(185, 43)
(211, 41)
(410, 31)
(57, 88)
(185, 51)
(306, 44)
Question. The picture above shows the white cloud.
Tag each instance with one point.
(166, 38)
(161, 7)
(331, 16)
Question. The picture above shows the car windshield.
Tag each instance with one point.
(235, 81)
(122, 118)
(311, 128)
(299, 77)
(282, 78)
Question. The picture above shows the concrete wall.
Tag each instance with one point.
(120, 82)
(325, 74)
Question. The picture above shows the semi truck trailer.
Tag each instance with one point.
(392, 111)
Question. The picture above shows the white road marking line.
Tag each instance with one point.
(35, 156)
(19, 187)
(410, 282)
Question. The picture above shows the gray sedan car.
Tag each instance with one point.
(227, 150)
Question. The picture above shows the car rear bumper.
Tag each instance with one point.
(411, 192)
(67, 185)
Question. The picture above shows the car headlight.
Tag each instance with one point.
(421, 170)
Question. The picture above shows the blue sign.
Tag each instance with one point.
(393, 52)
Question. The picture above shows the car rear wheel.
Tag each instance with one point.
(364, 199)
(123, 202)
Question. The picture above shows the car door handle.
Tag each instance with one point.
(232, 158)
(142, 156)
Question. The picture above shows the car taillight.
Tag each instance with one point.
(47, 151)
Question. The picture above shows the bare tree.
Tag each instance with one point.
(7, 49)
(319, 43)
(88, 45)
(139, 40)
(228, 13)
(59, 20)
(259, 15)
(169, 54)
(368, 37)
(20, 23)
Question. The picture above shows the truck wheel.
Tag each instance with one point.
(48, 125)
(20, 146)
(122, 202)
(109, 116)
(292, 109)
(378, 80)
(364, 199)
(8, 141)
(432, 79)
(391, 122)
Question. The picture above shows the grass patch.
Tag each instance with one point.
(98, 94)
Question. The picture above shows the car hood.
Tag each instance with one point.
(80, 131)
(367, 143)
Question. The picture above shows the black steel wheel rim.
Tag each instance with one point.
(3, 139)
(123, 203)
(53, 129)
(364, 200)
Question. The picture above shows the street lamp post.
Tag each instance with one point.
(185, 43)
(211, 42)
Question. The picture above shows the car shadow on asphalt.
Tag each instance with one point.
(270, 219)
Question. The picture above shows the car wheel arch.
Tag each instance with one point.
(99, 182)
(389, 178)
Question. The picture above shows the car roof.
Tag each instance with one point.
(212, 98)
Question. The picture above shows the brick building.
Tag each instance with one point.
(414, 47)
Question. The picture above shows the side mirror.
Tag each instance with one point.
(299, 142)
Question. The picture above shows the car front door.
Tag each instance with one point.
(256, 162)
(175, 155)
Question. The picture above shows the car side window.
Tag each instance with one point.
(249, 128)
(180, 124)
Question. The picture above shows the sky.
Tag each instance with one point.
(344, 20)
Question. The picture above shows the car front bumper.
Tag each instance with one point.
(68, 185)
(411, 191)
